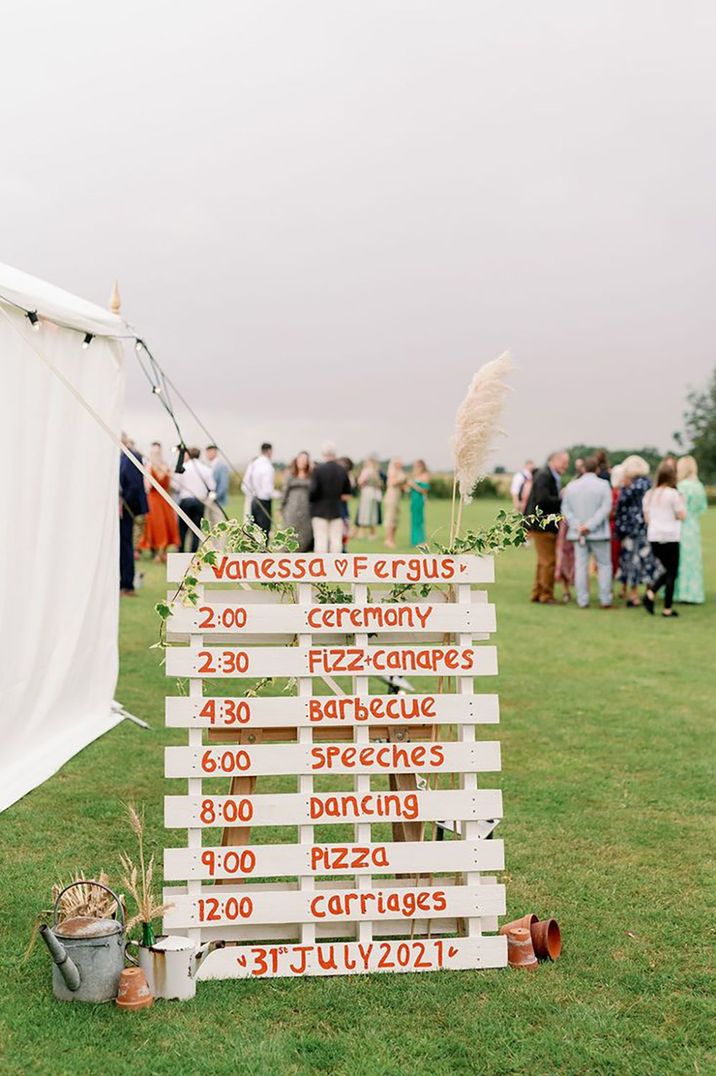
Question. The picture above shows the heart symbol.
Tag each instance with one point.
(452, 951)
(241, 961)
(342, 566)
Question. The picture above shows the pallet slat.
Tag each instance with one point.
(220, 905)
(230, 760)
(343, 958)
(333, 568)
(288, 860)
(294, 808)
(241, 618)
(329, 711)
(416, 661)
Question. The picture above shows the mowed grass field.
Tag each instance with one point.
(608, 752)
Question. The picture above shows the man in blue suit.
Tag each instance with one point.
(132, 503)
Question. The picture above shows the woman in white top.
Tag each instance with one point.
(663, 511)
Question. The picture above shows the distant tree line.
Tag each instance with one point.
(653, 456)
(699, 434)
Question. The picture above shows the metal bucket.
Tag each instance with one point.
(96, 946)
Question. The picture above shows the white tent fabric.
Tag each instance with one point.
(59, 586)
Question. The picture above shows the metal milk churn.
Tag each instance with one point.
(88, 953)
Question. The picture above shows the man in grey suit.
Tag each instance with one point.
(586, 505)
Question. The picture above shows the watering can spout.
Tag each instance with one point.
(65, 965)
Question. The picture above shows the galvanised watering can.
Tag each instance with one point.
(88, 953)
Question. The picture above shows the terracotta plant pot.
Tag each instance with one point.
(133, 990)
(546, 939)
(520, 953)
(527, 921)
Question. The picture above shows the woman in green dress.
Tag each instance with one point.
(690, 580)
(418, 484)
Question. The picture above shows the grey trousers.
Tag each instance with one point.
(603, 555)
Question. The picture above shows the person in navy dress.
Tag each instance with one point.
(132, 503)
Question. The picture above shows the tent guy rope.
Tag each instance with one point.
(328, 680)
(100, 421)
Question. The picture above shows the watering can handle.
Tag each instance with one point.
(132, 959)
(99, 885)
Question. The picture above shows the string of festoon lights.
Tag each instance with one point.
(159, 381)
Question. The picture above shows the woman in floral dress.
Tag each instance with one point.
(636, 561)
(690, 580)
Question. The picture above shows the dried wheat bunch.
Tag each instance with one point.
(138, 880)
(85, 899)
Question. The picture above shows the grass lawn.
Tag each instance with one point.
(608, 754)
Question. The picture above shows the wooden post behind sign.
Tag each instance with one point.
(356, 907)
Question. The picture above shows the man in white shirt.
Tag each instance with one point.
(194, 488)
(517, 486)
(258, 488)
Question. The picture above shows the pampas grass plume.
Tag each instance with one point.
(477, 423)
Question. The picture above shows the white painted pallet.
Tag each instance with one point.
(358, 889)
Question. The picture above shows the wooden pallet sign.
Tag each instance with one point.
(379, 862)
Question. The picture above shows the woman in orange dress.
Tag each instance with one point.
(161, 528)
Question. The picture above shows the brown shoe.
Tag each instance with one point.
(550, 601)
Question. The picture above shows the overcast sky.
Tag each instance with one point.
(325, 215)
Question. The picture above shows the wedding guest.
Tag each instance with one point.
(193, 488)
(664, 510)
(564, 562)
(395, 485)
(636, 561)
(160, 525)
(578, 467)
(217, 509)
(517, 485)
(616, 479)
(295, 506)
(544, 496)
(347, 464)
(329, 486)
(690, 580)
(603, 469)
(258, 488)
(419, 485)
(132, 504)
(586, 505)
(525, 492)
(370, 495)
